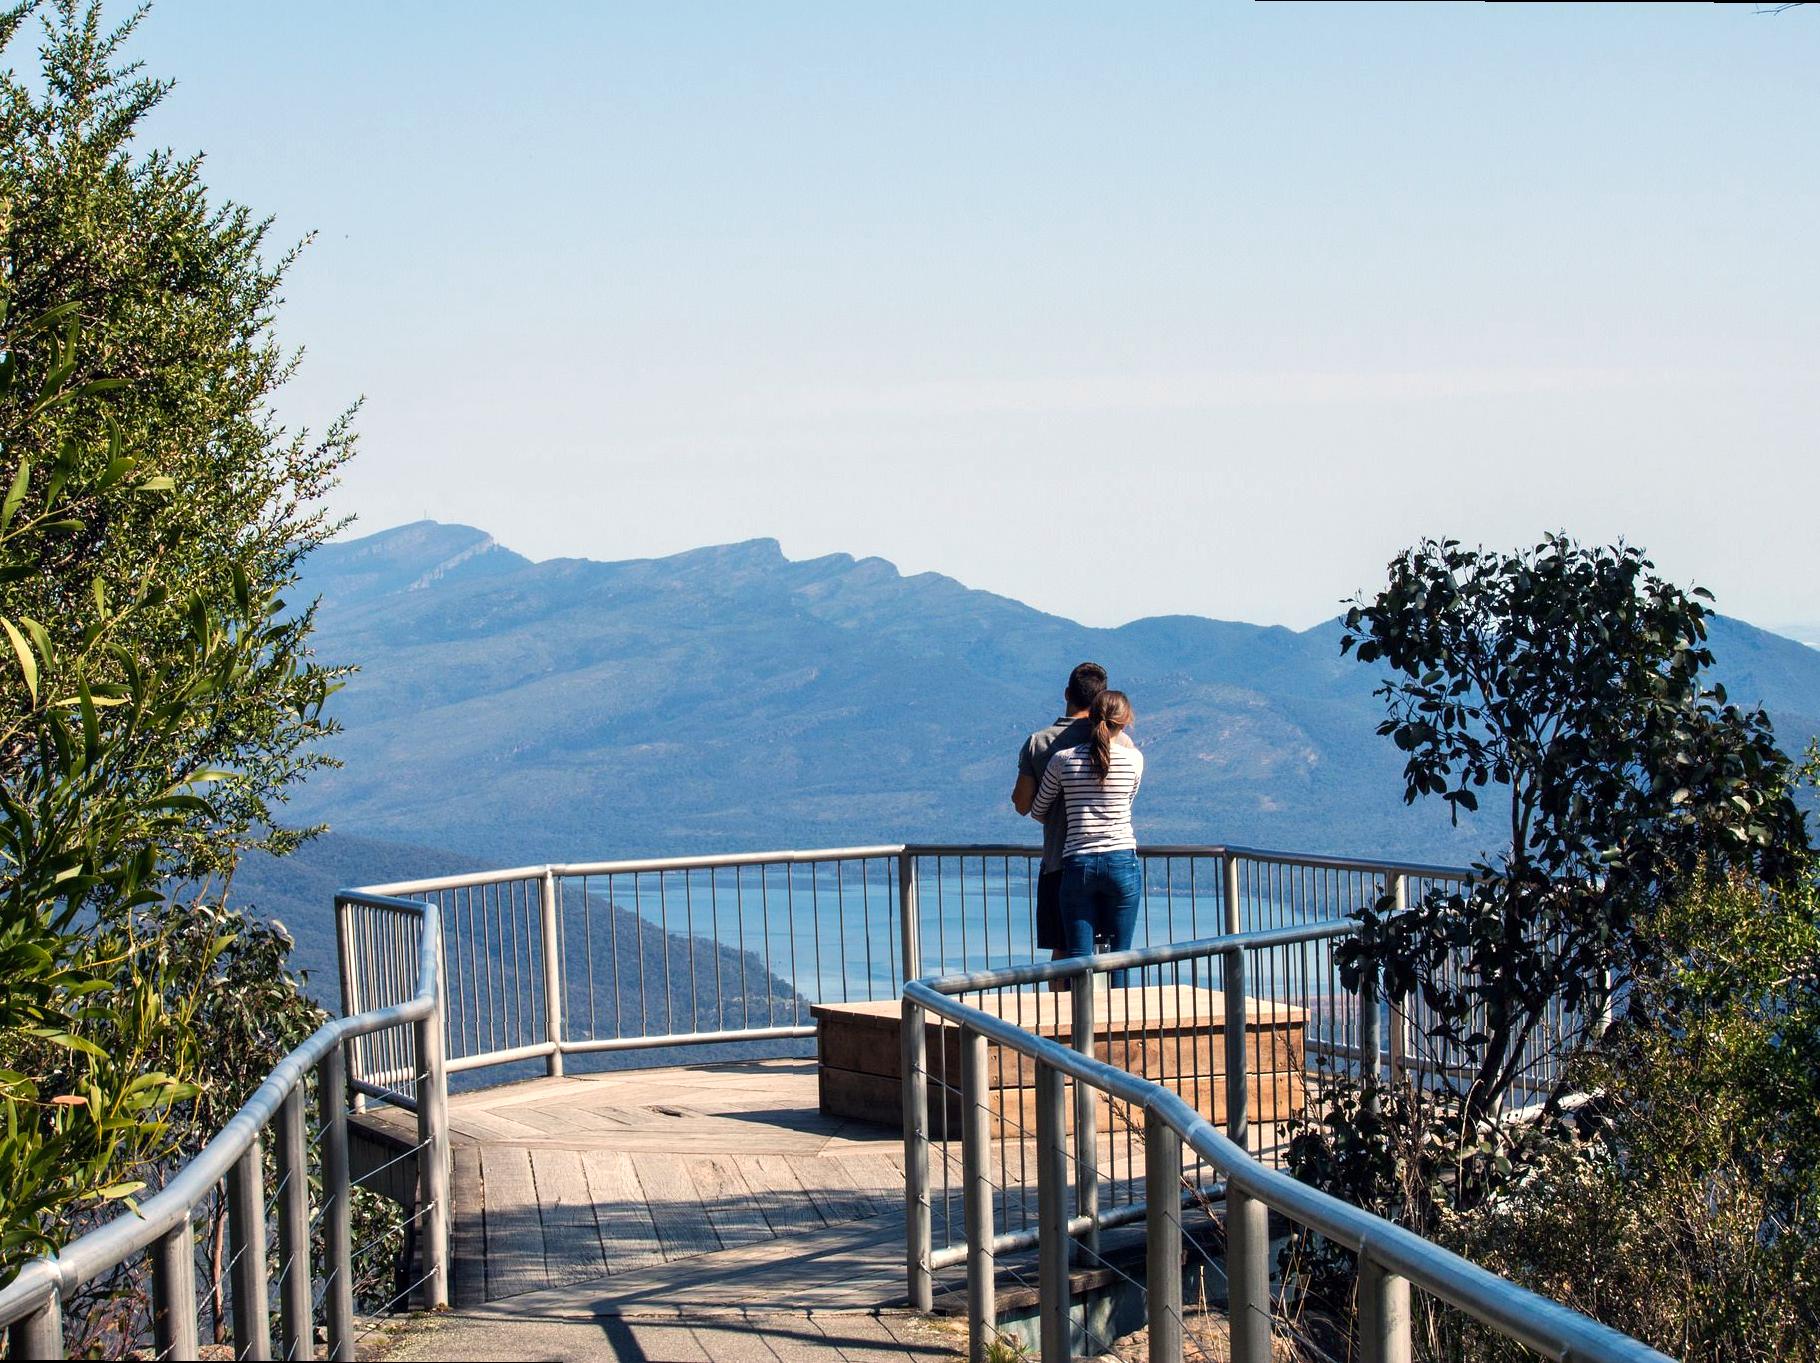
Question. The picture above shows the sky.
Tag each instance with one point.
(1117, 310)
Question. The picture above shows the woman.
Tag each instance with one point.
(1097, 782)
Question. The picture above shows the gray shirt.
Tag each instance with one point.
(1033, 761)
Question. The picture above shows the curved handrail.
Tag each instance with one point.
(1554, 1330)
(110, 1245)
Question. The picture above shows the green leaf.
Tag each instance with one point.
(27, 664)
(21, 480)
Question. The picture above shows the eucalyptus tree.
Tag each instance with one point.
(176, 293)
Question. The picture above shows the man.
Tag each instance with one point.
(1069, 731)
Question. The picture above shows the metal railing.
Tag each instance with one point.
(538, 963)
(1173, 1125)
(548, 961)
(396, 1040)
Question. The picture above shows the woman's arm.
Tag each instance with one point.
(1050, 788)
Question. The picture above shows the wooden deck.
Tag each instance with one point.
(694, 1213)
(568, 1180)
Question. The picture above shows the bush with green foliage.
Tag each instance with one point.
(1683, 1205)
(1559, 692)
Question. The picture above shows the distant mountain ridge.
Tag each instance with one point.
(729, 697)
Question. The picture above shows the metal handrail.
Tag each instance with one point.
(1391, 1258)
(30, 1305)
(539, 1027)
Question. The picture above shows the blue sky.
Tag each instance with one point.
(1117, 310)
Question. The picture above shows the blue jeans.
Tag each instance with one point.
(1100, 894)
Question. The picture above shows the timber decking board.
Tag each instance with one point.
(628, 1238)
(571, 1236)
(683, 1228)
(515, 1249)
(737, 1217)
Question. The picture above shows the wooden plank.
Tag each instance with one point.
(878, 1175)
(571, 1239)
(628, 1239)
(833, 1193)
(682, 1222)
(566, 1121)
(467, 1227)
(515, 1253)
(780, 1194)
(731, 1207)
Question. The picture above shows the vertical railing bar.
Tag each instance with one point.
(337, 1216)
(174, 1333)
(1086, 1127)
(638, 955)
(796, 989)
(246, 1231)
(613, 916)
(689, 923)
(840, 932)
(739, 917)
(1053, 1304)
(720, 1001)
(663, 914)
(917, 1228)
(296, 1332)
(764, 918)
(976, 1192)
(1163, 1239)
(587, 932)
(550, 926)
(909, 921)
(433, 1159)
(1384, 1316)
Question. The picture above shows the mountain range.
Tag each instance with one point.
(507, 711)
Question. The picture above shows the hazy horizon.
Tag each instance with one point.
(1243, 298)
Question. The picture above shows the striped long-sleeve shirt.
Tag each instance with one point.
(1099, 812)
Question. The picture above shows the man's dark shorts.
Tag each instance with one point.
(1049, 909)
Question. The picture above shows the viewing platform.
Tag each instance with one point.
(818, 1105)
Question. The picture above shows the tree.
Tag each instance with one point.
(1561, 689)
(176, 301)
(157, 696)
(1555, 697)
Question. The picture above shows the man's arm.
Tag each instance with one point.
(1023, 794)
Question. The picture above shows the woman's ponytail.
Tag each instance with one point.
(1110, 714)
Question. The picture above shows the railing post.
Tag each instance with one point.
(337, 1216)
(552, 973)
(917, 1229)
(1247, 1219)
(246, 1228)
(1086, 1120)
(1229, 892)
(352, 1001)
(1052, 1215)
(1398, 890)
(174, 1293)
(1163, 1238)
(909, 925)
(39, 1335)
(1371, 1045)
(1384, 1334)
(433, 1153)
(976, 1195)
(296, 1336)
